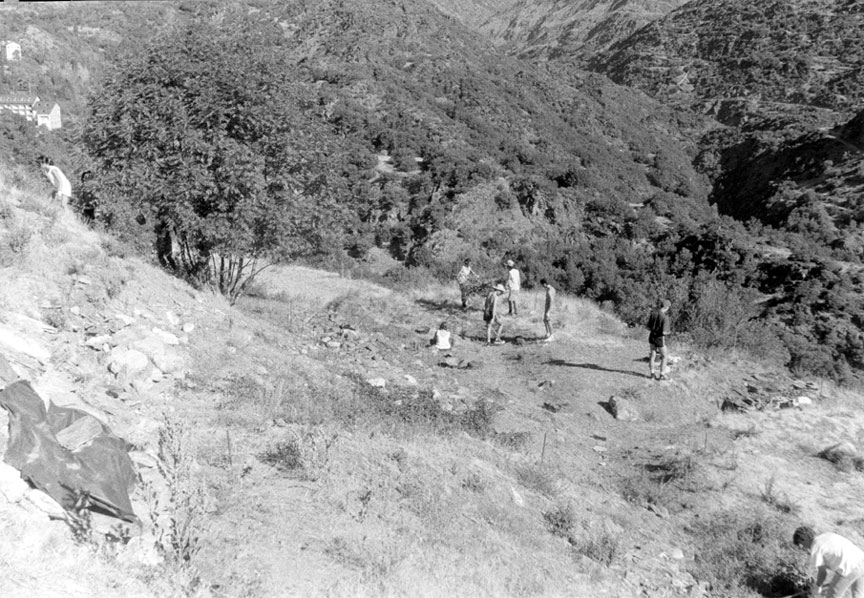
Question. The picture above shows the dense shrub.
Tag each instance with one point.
(748, 554)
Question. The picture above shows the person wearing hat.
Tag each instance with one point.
(658, 330)
(833, 553)
(514, 285)
(492, 314)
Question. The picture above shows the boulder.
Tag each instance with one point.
(172, 319)
(150, 345)
(15, 342)
(169, 362)
(7, 374)
(130, 361)
(622, 409)
(80, 433)
(98, 342)
(124, 320)
(377, 382)
(166, 337)
(12, 486)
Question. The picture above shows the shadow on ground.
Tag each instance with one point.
(448, 307)
(593, 366)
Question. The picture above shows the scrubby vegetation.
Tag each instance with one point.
(437, 152)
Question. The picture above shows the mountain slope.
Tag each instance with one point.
(774, 54)
(472, 12)
(552, 29)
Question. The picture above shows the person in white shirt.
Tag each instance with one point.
(442, 340)
(62, 186)
(833, 553)
(464, 278)
(514, 285)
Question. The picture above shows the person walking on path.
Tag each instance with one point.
(514, 285)
(62, 187)
(658, 330)
(464, 279)
(547, 309)
(492, 314)
(833, 553)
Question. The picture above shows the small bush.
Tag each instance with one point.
(538, 478)
(561, 520)
(474, 483)
(842, 460)
(17, 239)
(305, 453)
(601, 547)
(55, 317)
(514, 441)
(776, 500)
(652, 483)
(179, 520)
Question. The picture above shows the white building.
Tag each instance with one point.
(33, 109)
(48, 115)
(11, 50)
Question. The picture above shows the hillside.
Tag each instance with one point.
(472, 13)
(65, 46)
(585, 182)
(329, 452)
(784, 57)
(781, 77)
(556, 29)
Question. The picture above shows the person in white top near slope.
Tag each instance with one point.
(464, 280)
(832, 553)
(514, 285)
(62, 186)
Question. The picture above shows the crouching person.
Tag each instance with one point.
(832, 553)
(443, 340)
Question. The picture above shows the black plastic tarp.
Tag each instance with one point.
(98, 467)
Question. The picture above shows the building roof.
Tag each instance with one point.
(42, 107)
(18, 99)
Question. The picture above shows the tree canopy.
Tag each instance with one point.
(207, 136)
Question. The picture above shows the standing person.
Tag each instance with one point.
(464, 278)
(86, 198)
(833, 553)
(514, 285)
(547, 310)
(658, 327)
(492, 314)
(62, 187)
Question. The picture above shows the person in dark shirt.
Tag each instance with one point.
(658, 330)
